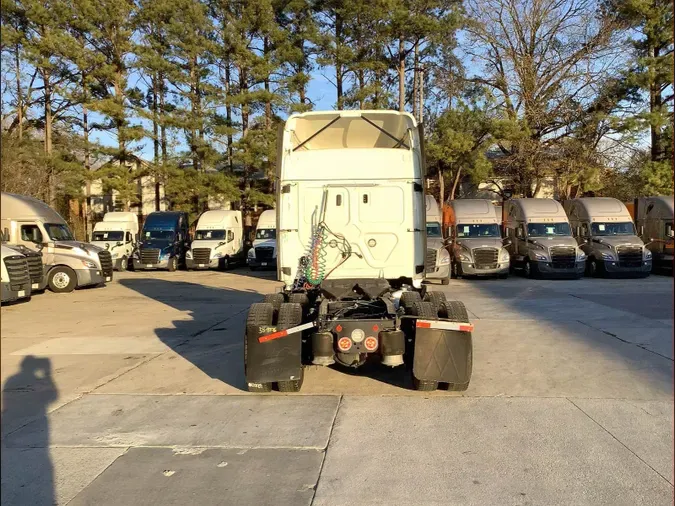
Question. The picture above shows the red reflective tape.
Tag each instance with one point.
(423, 325)
(270, 337)
(466, 328)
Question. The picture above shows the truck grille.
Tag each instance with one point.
(149, 256)
(17, 269)
(106, 263)
(563, 257)
(264, 253)
(485, 258)
(35, 268)
(430, 262)
(629, 256)
(201, 255)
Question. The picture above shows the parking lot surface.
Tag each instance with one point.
(134, 394)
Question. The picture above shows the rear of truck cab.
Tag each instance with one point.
(605, 232)
(541, 241)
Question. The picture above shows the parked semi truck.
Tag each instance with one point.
(117, 233)
(36, 269)
(164, 241)
(351, 256)
(605, 232)
(15, 283)
(653, 217)
(438, 257)
(541, 242)
(218, 241)
(476, 240)
(69, 264)
(263, 253)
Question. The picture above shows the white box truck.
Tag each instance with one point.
(541, 239)
(605, 232)
(438, 258)
(218, 241)
(15, 283)
(117, 233)
(351, 256)
(69, 264)
(263, 253)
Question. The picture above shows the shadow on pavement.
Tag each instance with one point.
(212, 339)
(28, 473)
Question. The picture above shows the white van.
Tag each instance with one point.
(117, 233)
(69, 263)
(264, 250)
(15, 278)
(218, 241)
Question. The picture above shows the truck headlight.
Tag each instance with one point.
(445, 259)
(464, 257)
(581, 255)
(218, 255)
(607, 256)
(88, 264)
(648, 254)
(539, 256)
(188, 254)
(251, 253)
(504, 256)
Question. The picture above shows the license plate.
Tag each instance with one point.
(148, 265)
(264, 264)
(108, 278)
(201, 265)
(34, 285)
(21, 293)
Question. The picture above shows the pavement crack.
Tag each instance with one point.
(618, 440)
(325, 453)
(637, 345)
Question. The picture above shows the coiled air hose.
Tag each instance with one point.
(315, 270)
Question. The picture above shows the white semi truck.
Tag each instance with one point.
(653, 218)
(69, 264)
(351, 256)
(263, 254)
(218, 241)
(117, 233)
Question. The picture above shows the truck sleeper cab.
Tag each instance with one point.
(263, 254)
(351, 255)
(117, 233)
(477, 247)
(605, 232)
(15, 277)
(653, 218)
(541, 239)
(218, 241)
(438, 258)
(68, 263)
(163, 242)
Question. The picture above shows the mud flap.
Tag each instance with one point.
(442, 355)
(276, 360)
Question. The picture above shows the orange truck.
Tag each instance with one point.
(653, 217)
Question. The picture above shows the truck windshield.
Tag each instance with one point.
(478, 230)
(266, 233)
(213, 235)
(108, 236)
(548, 229)
(158, 235)
(58, 232)
(434, 229)
(623, 228)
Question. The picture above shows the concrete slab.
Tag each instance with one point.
(479, 451)
(162, 477)
(242, 421)
(95, 346)
(47, 476)
(645, 427)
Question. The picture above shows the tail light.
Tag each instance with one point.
(370, 343)
(344, 344)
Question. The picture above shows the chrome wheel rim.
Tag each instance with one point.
(61, 280)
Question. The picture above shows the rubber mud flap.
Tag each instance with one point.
(443, 355)
(276, 360)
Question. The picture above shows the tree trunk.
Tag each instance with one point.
(339, 74)
(228, 116)
(48, 138)
(244, 106)
(415, 83)
(401, 74)
(655, 108)
(266, 83)
(455, 184)
(155, 139)
(19, 93)
(441, 187)
(88, 218)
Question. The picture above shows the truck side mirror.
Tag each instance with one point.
(507, 242)
(642, 230)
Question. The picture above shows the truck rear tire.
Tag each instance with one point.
(424, 310)
(436, 298)
(259, 314)
(408, 300)
(62, 279)
(276, 299)
(290, 315)
(456, 311)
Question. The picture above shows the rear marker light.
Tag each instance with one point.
(338, 328)
(370, 343)
(344, 344)
(375, 328)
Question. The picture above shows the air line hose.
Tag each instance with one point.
(315, 270)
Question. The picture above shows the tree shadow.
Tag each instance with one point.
(27, 471)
